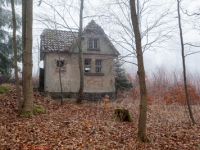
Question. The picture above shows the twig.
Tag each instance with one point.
(93, 130)
(66, 122)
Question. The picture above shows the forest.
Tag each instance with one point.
(153, 106)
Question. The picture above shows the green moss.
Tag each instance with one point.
(198, 146)
(122, 114)
(26, 114)
(144, 139)
(103, 148)
(4, 88)
(38, 109)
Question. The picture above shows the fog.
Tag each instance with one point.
(165, 54)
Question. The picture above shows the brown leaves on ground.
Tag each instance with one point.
(91, 126)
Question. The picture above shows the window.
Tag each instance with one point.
(93, 44)
(88, 65)
(98, 65)
(60, 63)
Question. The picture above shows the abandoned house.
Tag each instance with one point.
(59, 50)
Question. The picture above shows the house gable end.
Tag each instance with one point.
(95, 41)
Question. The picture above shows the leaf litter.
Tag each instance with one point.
(91, 126)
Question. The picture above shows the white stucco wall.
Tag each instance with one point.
(70, 76)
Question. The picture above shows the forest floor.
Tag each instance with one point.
(91, 126)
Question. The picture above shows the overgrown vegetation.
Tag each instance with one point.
(4, 88)
(166, 87)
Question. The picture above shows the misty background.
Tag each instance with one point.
(165, 53)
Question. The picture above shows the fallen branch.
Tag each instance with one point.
(93, 130)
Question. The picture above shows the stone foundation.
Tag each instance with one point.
(86, 96)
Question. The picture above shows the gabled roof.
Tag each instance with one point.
(93, 27)
(66, 41)
(54, 40)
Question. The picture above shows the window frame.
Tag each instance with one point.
(98, 66)
(60, 65)
(63, 64)
(88, 65)
(93, 44)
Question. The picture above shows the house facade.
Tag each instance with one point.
(59, 50)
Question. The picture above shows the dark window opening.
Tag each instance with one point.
(88, 65)
(60, 63)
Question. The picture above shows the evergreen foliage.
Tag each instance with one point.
(6, 44)
(121, 80)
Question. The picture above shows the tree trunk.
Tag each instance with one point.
(183, 62)
(141, 73)
(15, 57)
(60, 78)
(27, 19)
(81, 88)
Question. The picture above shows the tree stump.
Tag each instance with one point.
(122, 114)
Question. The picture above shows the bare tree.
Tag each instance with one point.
(183, 63)
(15, 56)
(153, 23)
(27, 20)
(141, 73)
(59, 71)
(81, 87)
(58, 17)
(64, 24)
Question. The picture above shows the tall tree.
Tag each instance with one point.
(27, 21)
(154, 29)
(183, 63)
(81, 87)
(6, 45)
(15, 55)
(141, 73)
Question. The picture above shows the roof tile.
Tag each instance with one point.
(54, 40)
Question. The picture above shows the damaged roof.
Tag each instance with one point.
(54, 40)
(66, 41)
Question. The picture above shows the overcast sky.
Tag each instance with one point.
(169, 56)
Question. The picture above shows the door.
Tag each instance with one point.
(41, 80)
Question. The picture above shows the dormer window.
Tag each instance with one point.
(93, 43)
